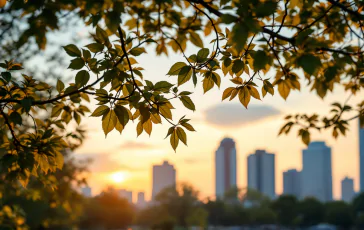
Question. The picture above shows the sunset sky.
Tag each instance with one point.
(128, 159)
(255, 128)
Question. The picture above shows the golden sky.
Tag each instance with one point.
(214, 120)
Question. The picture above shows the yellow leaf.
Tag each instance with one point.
(195, 39)
(147, 126)
(244, 96)
(174, 140)
(284, 89)
(101, 110)
(156, 119)
(109, 121)
(181, 135)
(254, 92)
(139, 128)
(165, 111)
(233, 94)
(208, 83)
(119, 127)
(227, 93)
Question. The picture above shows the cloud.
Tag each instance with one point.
(232, 115)
(136, 145)
(105, 163)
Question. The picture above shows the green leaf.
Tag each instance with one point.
(6, 76)
(187, 102)
(305, 135)
(260, 60)
(228, 18)
(240, 35)
(26, 103)
(137, 51)
(170, 131)
(176, 68)
(195, 39)
(72, 50)
(244, 96)
(16, 118)
(174, 140)
(102, 35)
(163, 86)
(60, 86)
(202, 55)
(181, 135)
(309, 63)
(95, 47)
(184, 75)
(82, 78)
(101, 110)
(76, 63)
(109, 122)
(238, 65)
(122, 114)
(57, 109)
(194, 77)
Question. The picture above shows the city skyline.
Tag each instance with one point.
(253, 128)
(316, 160)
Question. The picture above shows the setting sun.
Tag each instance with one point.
(118, 177)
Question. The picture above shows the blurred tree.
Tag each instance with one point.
(286, 209)
(311, 211)
(358, 210)
(180, 203)
(339, 214)
(108, 210)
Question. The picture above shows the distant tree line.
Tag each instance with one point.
(181, 207)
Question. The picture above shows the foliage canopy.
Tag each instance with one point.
(318, 43)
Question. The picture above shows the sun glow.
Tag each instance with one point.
(118, 177)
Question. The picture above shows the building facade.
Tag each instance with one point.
(261, 172)
(164, 176)
(361, 156)
(141, 203)
(347, 189)
(316, 175)
(292, 183)
(225, 167)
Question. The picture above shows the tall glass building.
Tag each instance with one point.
(225, 167)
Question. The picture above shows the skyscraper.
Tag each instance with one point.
(361, 156)
(141, 200)
(292, 183)
(225, 167)
(347, 189)
(261, 172)
(316, 172)
(163, 176)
